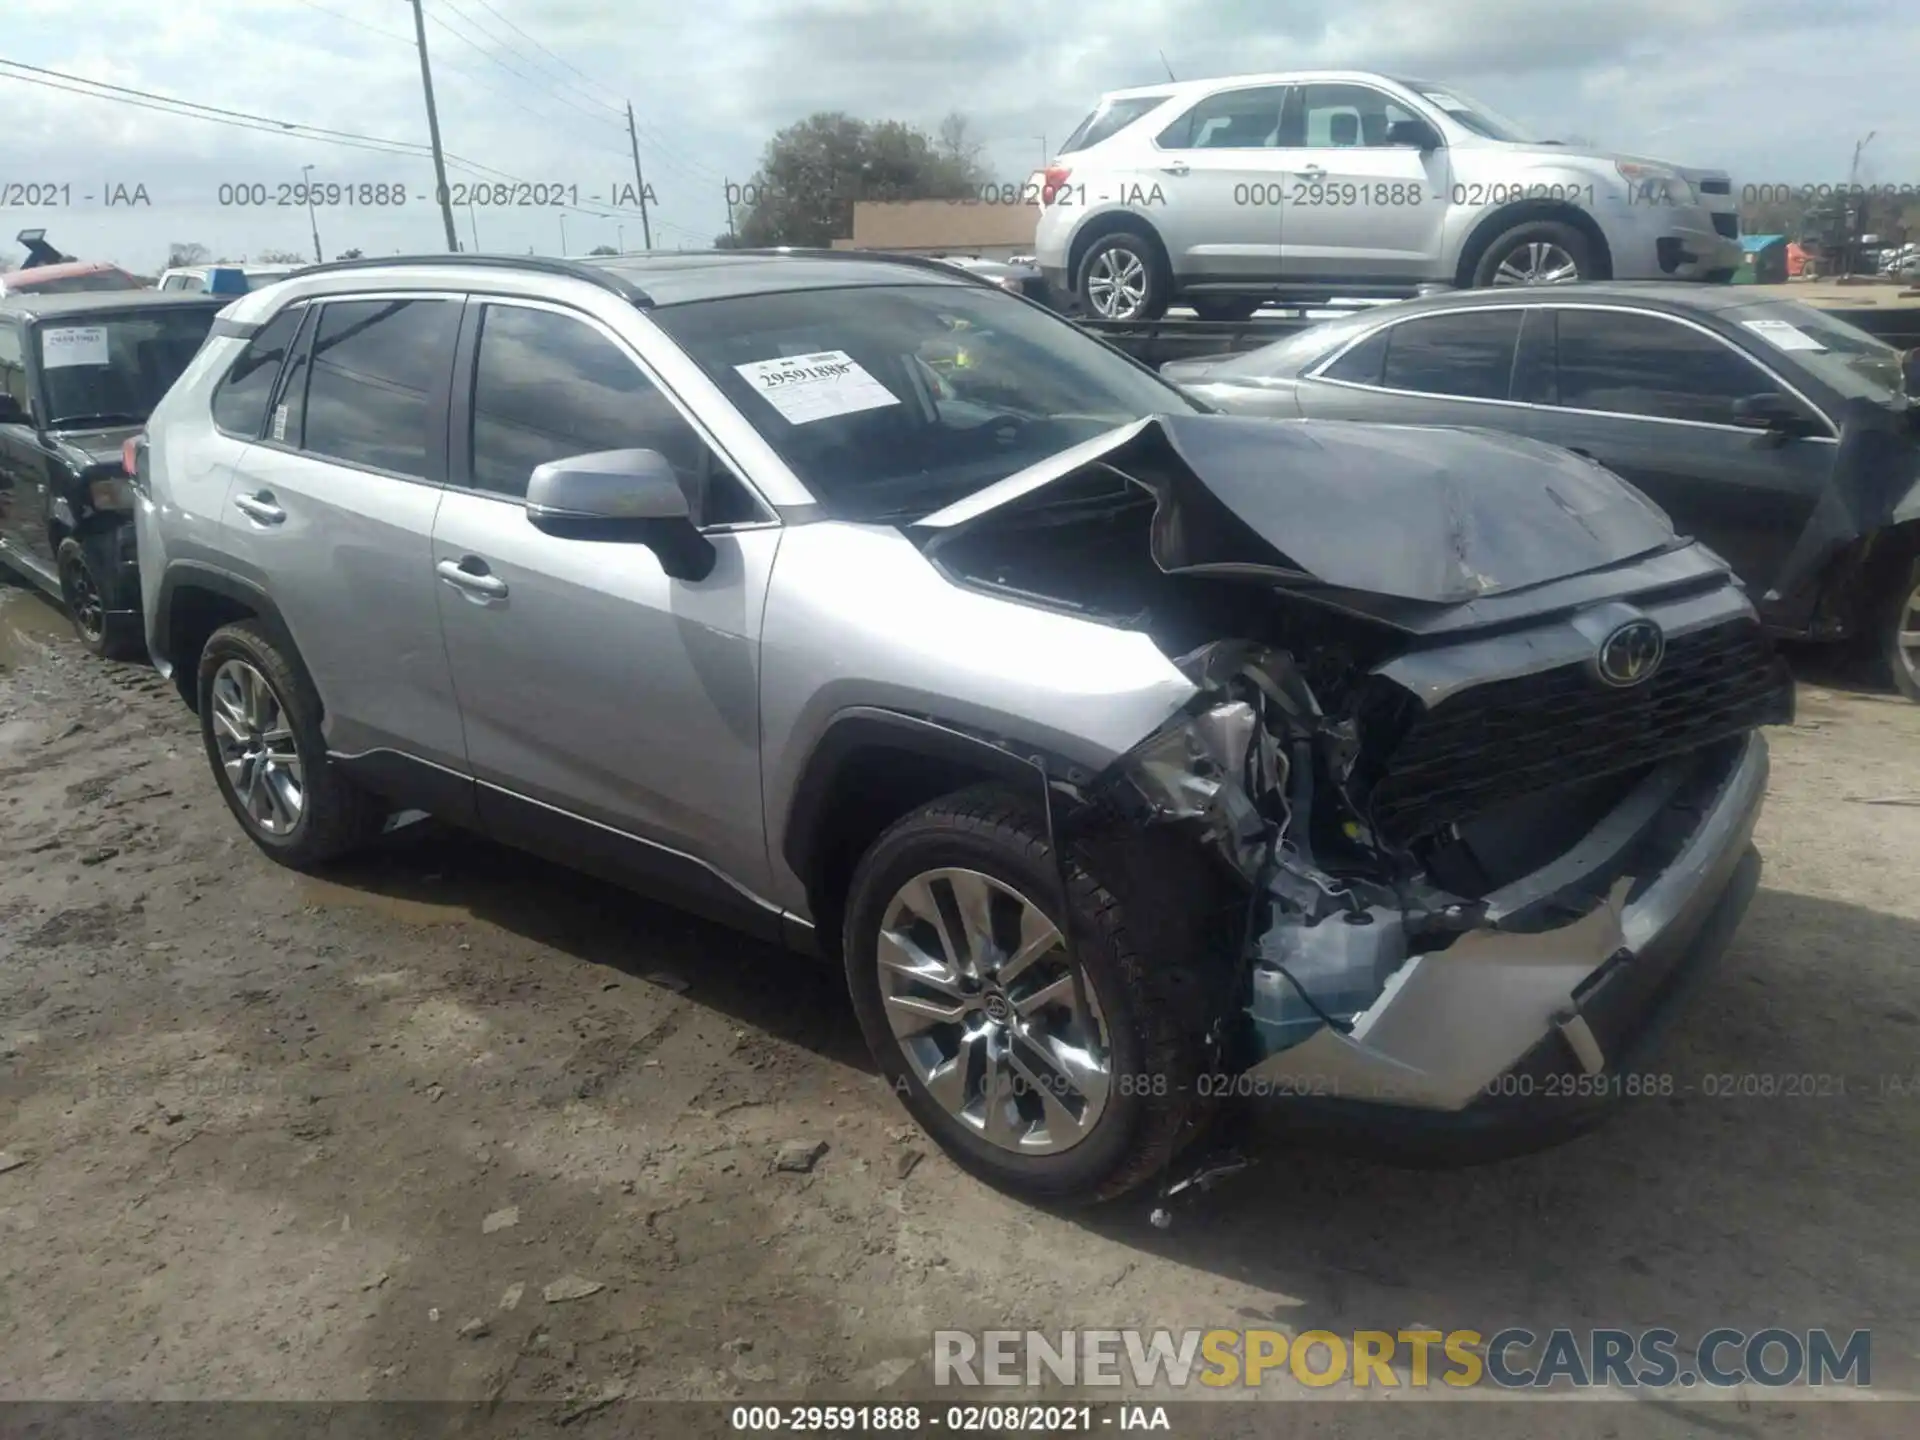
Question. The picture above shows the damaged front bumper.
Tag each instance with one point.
(1530, 1021)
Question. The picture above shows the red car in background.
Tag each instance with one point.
(48, 272)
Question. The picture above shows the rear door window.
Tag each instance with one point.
(372, 371)
(1231, 120)
(1467, 355)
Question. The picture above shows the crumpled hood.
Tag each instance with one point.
(94, 447)
(1426, 514)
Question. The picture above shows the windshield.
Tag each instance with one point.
(1293, 354)
(112, 369)
(1480, 119)
(889, 402)
(1844, 356)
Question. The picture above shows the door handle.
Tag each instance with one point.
(474, 582)
(1177, 168)
(1311, 172)
(259, 506)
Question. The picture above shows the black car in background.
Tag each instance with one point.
(79, 374)
(1780, 436)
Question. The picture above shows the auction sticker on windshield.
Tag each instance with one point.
(73, 345)
(805, 388)
(1782, 335)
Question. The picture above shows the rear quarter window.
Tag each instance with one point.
(1108, 120)
(240, 399)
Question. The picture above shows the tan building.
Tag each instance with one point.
(943, 227)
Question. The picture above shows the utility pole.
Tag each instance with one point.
(444, 195)
(473, 224)
(563, 235)
(306, 174)
(729, 194)
(633, 135)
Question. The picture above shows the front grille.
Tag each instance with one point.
(1512, 738)
(1726, 224)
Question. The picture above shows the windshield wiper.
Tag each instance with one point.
(105, 417)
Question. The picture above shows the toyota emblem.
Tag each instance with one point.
(1631, 654)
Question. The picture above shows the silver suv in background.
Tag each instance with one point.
(1221, 193)
(1126, 757)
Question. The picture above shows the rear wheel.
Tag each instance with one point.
(260, 722)
(1060, 1073)
(1123, 277)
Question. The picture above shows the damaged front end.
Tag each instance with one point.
(1396, 973)
(1480, 770)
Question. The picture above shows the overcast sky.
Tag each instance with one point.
(1774, 90)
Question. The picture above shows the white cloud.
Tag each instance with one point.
(1773, 89)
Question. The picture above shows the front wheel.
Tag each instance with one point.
(1536, 252)
(1896, 633)
(1058, 1072)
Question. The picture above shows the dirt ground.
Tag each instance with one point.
(275, 1137)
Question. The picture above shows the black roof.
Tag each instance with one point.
(1673, 296)
(67, 305)
(673, 277)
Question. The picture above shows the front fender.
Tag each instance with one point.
(859, 620)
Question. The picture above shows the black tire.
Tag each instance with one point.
(1889, 614)
(1229, 311)
(1143, 251)
(1536, 232)
(89, 597)
(1139, 924)
(335, 816)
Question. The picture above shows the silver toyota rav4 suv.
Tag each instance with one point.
(1128, 757)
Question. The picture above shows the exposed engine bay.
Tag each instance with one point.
(1368, 820)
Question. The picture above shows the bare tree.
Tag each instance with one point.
(283, 257)
(955, 141)
(187, 253)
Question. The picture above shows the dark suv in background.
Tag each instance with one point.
(79, 374)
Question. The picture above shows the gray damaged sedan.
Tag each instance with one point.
(1131, 758)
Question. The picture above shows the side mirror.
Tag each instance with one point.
(1414, 135)
(1773, 413)
(11, 412)
(621, 495)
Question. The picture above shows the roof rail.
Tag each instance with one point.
(919, 262)
(540, 264)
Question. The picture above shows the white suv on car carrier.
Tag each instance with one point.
(1223, 193)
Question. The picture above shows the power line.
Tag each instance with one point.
(689, 170)
(543, 49)
(522, 76)
(286, 129)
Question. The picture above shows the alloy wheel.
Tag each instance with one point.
(987, 1006)
(1906, 648)
(1538, 262)
(257, 752)
(1117, 283)
(84, 602)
